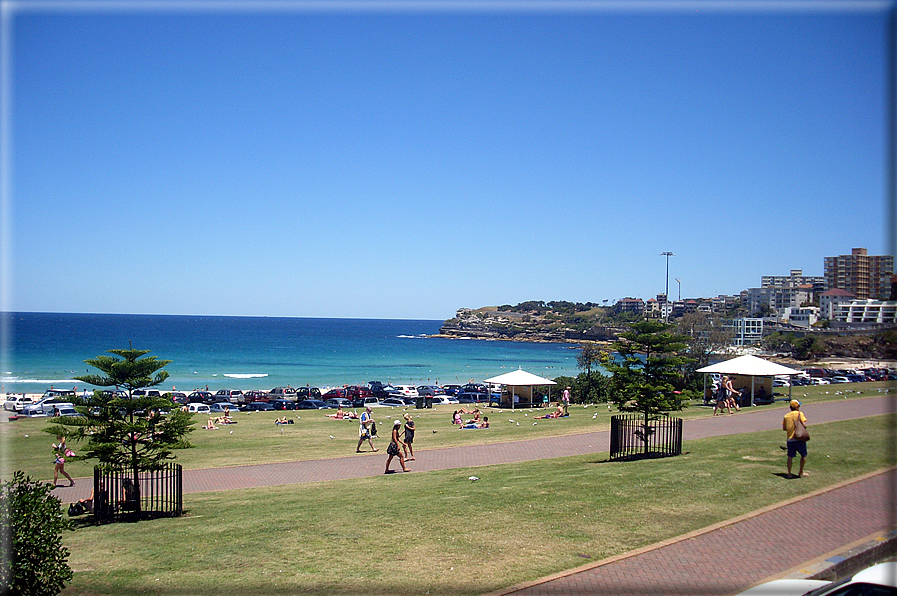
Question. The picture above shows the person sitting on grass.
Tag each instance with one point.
(210, 425)
(283, 420)
(456, 417)
(559, 413)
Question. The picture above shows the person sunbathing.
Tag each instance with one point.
(559, 413)
(210, 425)
(476, 425)
(283, 420)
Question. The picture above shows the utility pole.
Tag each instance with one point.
(679, 281)
(667, 289)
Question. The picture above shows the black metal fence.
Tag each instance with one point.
(118, 495)
(631, 439)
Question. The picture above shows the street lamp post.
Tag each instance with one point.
(679, 281)
(667, 254)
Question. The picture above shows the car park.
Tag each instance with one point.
(258, 406)
(877, 580)
(312, 404)
(282, 404)
(219, 408)
(338, 402)
(393, 402)
(198, 408)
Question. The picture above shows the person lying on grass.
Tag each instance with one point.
(475, 425)
(559, 413)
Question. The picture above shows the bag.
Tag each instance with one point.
(800, 431)
(76, 509)
(69, 453)
(373, 428)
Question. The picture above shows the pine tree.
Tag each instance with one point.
(126, 432)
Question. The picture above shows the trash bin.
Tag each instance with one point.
(419, 403)
(429, 402)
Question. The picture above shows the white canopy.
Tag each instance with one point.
(749, 366)
(520, 378)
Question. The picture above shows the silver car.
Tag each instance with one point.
(45, 406)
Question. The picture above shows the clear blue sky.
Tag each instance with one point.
(406, 160)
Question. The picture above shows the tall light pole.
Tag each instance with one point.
(667, 290)
(679, 281)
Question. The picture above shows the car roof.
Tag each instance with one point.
(884, 574)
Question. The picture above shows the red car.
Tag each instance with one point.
(333, 393)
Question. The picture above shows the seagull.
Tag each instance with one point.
(331, 436)
(535, 423)
(594, 416)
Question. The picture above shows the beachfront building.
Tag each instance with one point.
(863, 275)
(747, 331)
(802, 316)
(830, 302)
(877, 312)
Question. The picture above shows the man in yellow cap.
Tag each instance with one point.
(795, 446)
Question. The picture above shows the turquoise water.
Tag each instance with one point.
(45, 349)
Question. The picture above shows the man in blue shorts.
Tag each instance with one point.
(795, 446)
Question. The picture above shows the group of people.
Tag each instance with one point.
(401, 441)
(726, 396)
(456, 416)
(342, 414)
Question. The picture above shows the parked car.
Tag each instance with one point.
(218, 408)
(255, 395)
(282, 404)
(145, 393)
(308, 393)
(444, 400)
(17, 403)
(820, 381)
(178, 397)
(312, 404)
(407, 390)
(44, 407)
(67, 394)
(335, 393)
(282, 393)
(366, 402)
(393, 402)
(205, 397)
(840, 379)
(354, 392)
(780, 383)
(258, 406)
(338, 402)
(381, 391)
(65, 410)
(875, 580)
(451, 389)
(470, 397)
(429, 390)
(199, 408)
(234, 396)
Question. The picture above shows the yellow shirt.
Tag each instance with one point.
(788, 422)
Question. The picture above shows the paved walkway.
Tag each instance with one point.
(831, 519)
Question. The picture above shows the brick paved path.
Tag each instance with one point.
(754, 546)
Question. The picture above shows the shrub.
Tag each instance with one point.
(31, 524)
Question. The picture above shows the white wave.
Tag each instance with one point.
(50, 381)
(246, 375)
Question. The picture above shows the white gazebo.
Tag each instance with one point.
(750, 366)
(520, 379)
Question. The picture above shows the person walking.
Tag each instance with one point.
(364, 430)
(60, 452)
(409, 437)
(722, 396)
(795, 445)
(395, 448)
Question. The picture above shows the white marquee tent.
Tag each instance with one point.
(750, 366)
(520, 378)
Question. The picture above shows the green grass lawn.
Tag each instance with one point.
(441, 533)
(256, 439)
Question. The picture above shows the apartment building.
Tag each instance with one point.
(863, 275)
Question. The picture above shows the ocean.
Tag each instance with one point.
(49, 349)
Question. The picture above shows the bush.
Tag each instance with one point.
(31, 524)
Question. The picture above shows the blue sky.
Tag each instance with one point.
(404, 160)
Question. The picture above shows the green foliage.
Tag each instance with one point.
(589, 386)
(126, 432)
(33, 560)
(646, 376)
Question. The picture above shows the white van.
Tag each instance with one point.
(199, 409)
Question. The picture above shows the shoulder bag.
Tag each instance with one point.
(800, 431)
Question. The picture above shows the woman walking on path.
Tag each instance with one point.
(409, 437)
(722, 396)
(394, 448)
(60, 451)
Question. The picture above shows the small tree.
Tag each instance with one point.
(128, 433)
(32, 558)
(646, 373)
(589, 357)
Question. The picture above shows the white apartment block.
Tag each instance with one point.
(868, 311)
